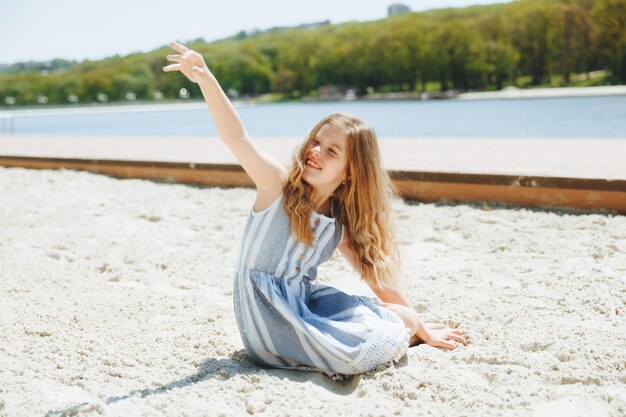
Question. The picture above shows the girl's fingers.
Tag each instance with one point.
(458, 338)
(171, 67)
(180, 48)
(176, 58)
(448, 344)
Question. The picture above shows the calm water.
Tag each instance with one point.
(588, 117)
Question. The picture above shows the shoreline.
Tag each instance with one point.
(509, 92)
(513, 92)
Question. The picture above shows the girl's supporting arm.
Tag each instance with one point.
(266, 172)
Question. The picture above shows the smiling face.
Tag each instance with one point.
(326, 158)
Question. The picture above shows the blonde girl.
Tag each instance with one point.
(335, 195)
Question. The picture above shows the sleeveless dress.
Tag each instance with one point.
(287, 320)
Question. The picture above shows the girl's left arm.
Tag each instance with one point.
(393, 293)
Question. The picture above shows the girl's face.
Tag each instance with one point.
(326, 158)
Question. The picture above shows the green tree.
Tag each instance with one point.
(572, 40)
(610, 35)
(533, 36)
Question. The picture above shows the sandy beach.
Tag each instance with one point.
(117, 300)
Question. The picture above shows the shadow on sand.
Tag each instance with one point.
(237, 364)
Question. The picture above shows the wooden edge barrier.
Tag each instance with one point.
(558, 192)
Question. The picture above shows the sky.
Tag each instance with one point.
(41, 30)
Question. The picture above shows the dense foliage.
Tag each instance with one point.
(523, 43)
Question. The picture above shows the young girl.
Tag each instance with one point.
(335, 194)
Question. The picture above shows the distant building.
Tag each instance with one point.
(397, 8)
(302, 26)
(335, 92)
(314, 24)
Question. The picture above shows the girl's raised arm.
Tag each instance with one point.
(266, 172)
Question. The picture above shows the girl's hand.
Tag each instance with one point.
(190, 63)
(438, 335)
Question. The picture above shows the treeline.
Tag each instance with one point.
(46, 67)
(471, 48)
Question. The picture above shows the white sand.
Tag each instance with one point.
(116, 299)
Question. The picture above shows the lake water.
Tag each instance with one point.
(571, 117)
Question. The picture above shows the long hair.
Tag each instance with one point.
(363, 203)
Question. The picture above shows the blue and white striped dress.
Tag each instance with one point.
(286, 320)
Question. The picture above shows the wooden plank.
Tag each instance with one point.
(586, 193)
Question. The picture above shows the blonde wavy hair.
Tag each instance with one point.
(363, 203)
